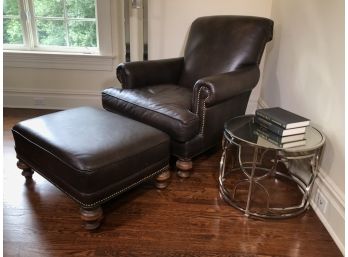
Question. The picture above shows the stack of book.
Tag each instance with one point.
(281, 127)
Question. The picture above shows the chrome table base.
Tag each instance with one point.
(253, 172)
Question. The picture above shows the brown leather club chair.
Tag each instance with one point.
(191, 97)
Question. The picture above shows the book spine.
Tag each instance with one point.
(269, 136)
(268, 125)
(269, 139)
(266, 117)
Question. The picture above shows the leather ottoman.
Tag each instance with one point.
(92, 155)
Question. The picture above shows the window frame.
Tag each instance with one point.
(30, 40)
(55, 58)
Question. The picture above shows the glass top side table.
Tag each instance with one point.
(241, 177)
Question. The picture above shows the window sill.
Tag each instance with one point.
(57, 60)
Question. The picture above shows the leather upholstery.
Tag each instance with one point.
(166, 107)
(220, 44)
(219, 70)
(89, 153)
(218, 87)
(138, 74)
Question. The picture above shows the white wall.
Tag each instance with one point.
(169, 22)
(304, 73)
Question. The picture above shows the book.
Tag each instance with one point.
(285, 145)
(277, 129)
(266, 134)
(283, 118)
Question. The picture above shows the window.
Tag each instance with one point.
(81, 38)
(12, 23)
(51, 25)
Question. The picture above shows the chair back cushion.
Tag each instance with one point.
(218, 44)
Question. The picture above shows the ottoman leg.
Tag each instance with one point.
(162, 180)
(184, 167)
(27, 171)
(91, 217)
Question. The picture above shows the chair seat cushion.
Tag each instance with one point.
(165, 107)
(89, 153)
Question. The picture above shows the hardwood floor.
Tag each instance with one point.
(188, 218)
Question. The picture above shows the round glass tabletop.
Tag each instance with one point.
(245, 129)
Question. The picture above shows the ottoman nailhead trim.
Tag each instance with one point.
(110, 196)
(130, 186)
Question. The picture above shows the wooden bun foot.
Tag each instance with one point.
(184, 167)
(27, 171)
(162, 180)
(91, 217)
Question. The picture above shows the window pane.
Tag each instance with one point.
(51, 32)
(12, 31)
(49, 8)
(11, 7)
(80, 8)
(82, 33)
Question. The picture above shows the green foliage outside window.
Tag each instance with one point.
(51, 32)
(80, 8)
(11, 7)
(12, 31)
(49, 8)
(82, 33)
(12, 27)
(58, 23)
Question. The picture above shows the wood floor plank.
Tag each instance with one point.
(187, 219)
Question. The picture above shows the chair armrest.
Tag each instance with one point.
(219, 88)
(142, 73)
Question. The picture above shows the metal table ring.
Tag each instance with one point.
(239, 133)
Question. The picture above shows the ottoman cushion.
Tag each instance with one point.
(91, 154)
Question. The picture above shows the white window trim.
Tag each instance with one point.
(49, 60)
(56, 58)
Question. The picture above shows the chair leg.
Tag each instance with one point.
(27, 172)
(162, 180)
(184, 167)
(91, 217)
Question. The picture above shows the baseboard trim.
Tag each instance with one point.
(330, 186)
(333, 219)
(50, 99)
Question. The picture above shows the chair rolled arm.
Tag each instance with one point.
(142, 73)
(219, 88)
